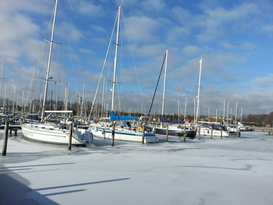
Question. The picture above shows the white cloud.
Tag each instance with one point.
(264, 84)
(87, 51)
(18, 30)
(87, 8)
(177, 34)
(142, 29)
(191, 50)
(99, 29)
(157, 5)
(182, 15)
(221, 22)
(73, 34)
(241, 46)
(41, 7)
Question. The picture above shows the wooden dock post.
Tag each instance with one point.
(221, 131)
(167, 133)
(185, 133)
(239, 133)
(6, 133)
(143, 133)
(103, 132)
(113, 134)
(211, 131)
(199, 130)
(70, 136)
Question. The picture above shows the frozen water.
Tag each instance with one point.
(207, 171)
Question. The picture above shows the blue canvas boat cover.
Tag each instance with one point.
(124, 118)
(163, 119)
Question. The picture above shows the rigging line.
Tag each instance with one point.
(37, 65)
(193, 84)
(157, 85)
(130, 47)
(103, 67)
(70, 53)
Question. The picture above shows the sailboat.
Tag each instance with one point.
(206, 129)
(54, 133)
(121, 125)
(174, 127)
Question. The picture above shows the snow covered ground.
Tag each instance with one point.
(207, 171)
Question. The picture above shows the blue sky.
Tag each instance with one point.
(234, 38)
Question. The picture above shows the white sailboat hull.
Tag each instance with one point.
(124, 135)
(57, 136)
(204, 131)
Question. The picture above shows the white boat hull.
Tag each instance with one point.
(123, 135)
(53, 136)
(204, 131)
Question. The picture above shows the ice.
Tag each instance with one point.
(207, 171)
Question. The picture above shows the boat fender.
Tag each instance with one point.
(96, 129)
(139, 129)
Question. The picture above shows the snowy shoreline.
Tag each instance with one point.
(207, 171)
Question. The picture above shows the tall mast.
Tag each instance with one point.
(194, 109)
(31, 89)
(198, 94)
(82, 105)
(164, 85)
(185, 110)
(67, 96)
(178, 104)
(115, 62)
(236, 112)
(49, 59)
(102, 100)
(241, 115)
(224, 110)
(227, 111)
(2, 78)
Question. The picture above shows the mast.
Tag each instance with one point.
(178, 110)
(49, 59)
(194, 109)
(31, 89)
(82, 105)
(241, 115)
(22, 109)
(67, 96)
(5, 98)
(185, 110)
(115, 62)
(102, 100)
(198, 94)
(14, 101)
(2, 78)
(227, 111)
(224, 110)
(164, 85)
(236, 112)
